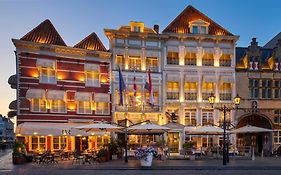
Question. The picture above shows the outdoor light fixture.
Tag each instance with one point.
(237, 101)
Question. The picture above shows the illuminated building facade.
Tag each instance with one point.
(58, 87)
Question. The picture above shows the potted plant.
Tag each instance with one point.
(18, 153)
(145, 155)
(188, 149)
(102, 154)
(112, 148)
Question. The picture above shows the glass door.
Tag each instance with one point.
(173, 142)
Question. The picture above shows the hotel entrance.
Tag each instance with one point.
(81, 143)
(173, 139)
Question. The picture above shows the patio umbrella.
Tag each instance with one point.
(148, 128)
(250, 129)
(101, 126)
(204, 130)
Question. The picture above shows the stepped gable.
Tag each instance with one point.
(181, 23)
(44, 33)
(91, 42)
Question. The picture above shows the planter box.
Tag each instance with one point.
(146, 161)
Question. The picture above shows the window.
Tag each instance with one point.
(277, 137)
(93, 78)
(120, 61)
(198, 27)
(207, 141)
(207, 89)
(225, 91)
(58, 106)
(208, 59)
(277, 89)
(59, 142)
(47, 75)
(207, 117)
(84, 107)
(38, 105)
(195, 29)
(134, 63)
(190, 90)
(152, 64)
(190, 117)
(277, 116)
(190, 58)
(102, 108)
(172, 90)
(267, 89)
(254, 88)
(225, 60)
(38, 143)
(137, 29)
(173, 58)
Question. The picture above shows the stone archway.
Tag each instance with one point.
(261, 141)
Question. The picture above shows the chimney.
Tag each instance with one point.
(254, 42)
(156, 28)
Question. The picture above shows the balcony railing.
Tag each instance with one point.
(225, 63)
(225, 96)
(137, 108)
(190, 96)
(206, 95)
(173, 61)
(208, 62)
(173, 95)
(189, 61)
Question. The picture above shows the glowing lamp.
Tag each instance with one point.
(35, 133)
(211, 99)
(82, 79)
(237, 100)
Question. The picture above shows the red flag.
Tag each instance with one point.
(148, 86)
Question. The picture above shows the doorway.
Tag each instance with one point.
(173, 142)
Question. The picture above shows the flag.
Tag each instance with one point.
(122, 86)
(135, 92)
(148, 86)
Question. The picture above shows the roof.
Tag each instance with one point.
(44, 33)
(272, 43)
(181, 23)
(91, 42)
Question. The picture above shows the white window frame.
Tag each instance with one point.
(209, 114)
(38, 142)
(189, 113)
(47, 79)
(39, 100)
(102, 111)
(200, 24)
(61, 108)
(84, 109)
(60, 142)
(278, 136)
(90, 82)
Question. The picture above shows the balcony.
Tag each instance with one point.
(190, 96)
(225, 63)
(173, 61)
(225, 96)
(191, 62)
(207, 62)
(139, 108)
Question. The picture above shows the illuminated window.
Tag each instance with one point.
(173, 58)
(190, 117)
(225, 60)
(38, 105)
(59, 143)
(47, 75)
(190, 58)
(102, 108)
(120, 61)
(84, 107)
(38, 143)
(225, 91)
(93, 78)
(152, 64)
(208, 59)
(207, 117)
(58, 106)
(190, 90)
(134, 63)
(172, 90)
(208, 88)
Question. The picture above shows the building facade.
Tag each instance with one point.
(7, 135)
(59, 87)
(258, 82)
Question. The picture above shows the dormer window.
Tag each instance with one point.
(136, 26)
(199, 27)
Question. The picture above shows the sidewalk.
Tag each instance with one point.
(266, 163)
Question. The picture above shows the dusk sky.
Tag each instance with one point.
(75, 20)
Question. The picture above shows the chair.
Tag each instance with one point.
(78, 158)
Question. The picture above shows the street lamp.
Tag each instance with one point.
(237, 101)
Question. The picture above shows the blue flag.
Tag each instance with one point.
(122, 86)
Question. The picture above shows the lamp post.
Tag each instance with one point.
(237, 101)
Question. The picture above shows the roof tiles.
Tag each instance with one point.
(91, 42)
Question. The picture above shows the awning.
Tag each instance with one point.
(45, 63)
(251, 129)
(35, 93)
(56, 95)
(210, 79)
(45, 129)
(101, 97)
(147, 128)
(83, 96)
(101, 126)
(203, 130)
(92, 67)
